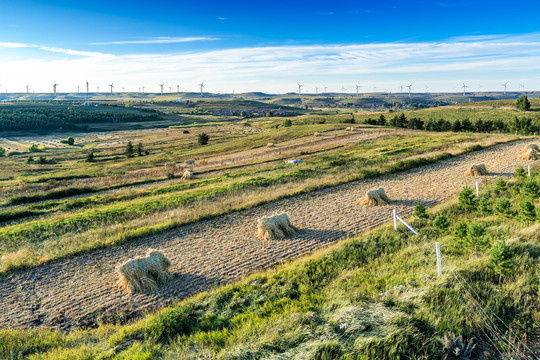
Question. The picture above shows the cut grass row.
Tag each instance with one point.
(376, 296)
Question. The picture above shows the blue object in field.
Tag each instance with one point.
(296, 161)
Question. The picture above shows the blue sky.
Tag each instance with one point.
(269, 46)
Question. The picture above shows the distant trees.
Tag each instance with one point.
(70, 141)
(130, 150)
(203, 139)
(2, 152)
(523, 103)
(34, 148)
(90, 155)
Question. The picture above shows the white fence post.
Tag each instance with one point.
(439, 265)
(395, 220)
(529, 169)
(477, 191)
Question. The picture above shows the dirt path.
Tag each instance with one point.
(81, 290)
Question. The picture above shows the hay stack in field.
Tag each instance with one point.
(477, 170)
(270, 145)
(275, 227)
(529, 155)
(187, 175)
(189, 162)
(532, 147)
(375, 197)
(144, 274)
(350, 128)
(316, 133)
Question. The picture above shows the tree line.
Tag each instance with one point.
(524, 125)
(72, 119)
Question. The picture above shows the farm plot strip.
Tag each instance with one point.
(81, 291)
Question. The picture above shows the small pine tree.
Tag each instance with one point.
(467, 199)
(70, 140)
(30, 159)
(520, 172)
(523, 103)
(527, 211)
(476, 238)
(287, 123)
(441, 222)
(514, 190)
(420, 211)
(501, 185)
(531, 188)
(130, 151)
(460, 233)
(90, 155)
(203, 139)
(503, 207)
(140, 149)
(501, 262)
(2, 151)
(484, 206)
(42, 160)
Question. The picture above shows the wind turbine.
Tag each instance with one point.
(427, 88)
(54, 85)
(177, 88)
(357, 87)
(343, 89)
(97, 89)
(316, 90)
(409, 86)
(522, 87)
(27, 89)
(300, 88)
(78, 89)
(325, 88)
(464, 87)
(112, 87)
(504, 85)
(201, 86)
(161, 86)
(143, 89)
(170, 90)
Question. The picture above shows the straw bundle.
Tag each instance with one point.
(529, 155)
(275, 227)
(187, 175)
(375, 197)
(144, 274)
(477, 170)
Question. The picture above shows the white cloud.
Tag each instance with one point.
(441, 65)
(160, 40)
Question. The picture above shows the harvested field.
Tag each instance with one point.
(80, 291)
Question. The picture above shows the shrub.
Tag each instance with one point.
(441, 222)
(501, 185)
(42, 160)
(467, 199)
(70, 140)
(185, 132)
(30, 159)
(520, 172)
(140, 149)
(90, 156)
(476, 238)
(523, 103)
(501, 262)
(531, 188)
(287, 123)
(460, 233)
(34, 148)
(203, 139)
(420, 211)
(527, 211)
(503, 207)
(2, 152)
(484, 206)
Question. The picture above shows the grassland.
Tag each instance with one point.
(66, 218)
(373, 296)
